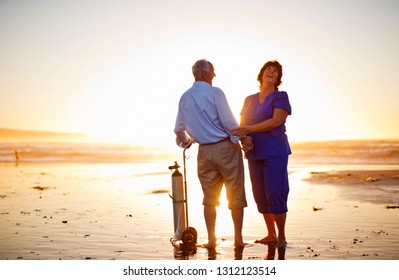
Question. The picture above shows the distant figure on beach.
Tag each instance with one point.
(263, 118)
(16, 152)
(205, 117)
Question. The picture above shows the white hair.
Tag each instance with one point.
(201, 65)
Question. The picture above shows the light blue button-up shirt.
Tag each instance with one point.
(204, 115)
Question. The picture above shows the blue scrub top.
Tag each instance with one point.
(267, 143)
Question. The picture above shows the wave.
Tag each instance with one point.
(323, 152)
(80, 152)
(347, 152)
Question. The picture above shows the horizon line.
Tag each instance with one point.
(26, 134)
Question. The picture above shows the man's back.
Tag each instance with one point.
(205, 114)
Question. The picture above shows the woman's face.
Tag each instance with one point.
(270, 75)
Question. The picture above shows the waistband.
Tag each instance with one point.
(224, 139)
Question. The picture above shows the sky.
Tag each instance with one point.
(116, 69)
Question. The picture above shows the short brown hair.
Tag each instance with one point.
(279, 67)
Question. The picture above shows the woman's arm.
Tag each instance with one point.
(279, 117)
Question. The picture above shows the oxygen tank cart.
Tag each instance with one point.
(188, 235)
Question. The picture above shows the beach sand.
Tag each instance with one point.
(52, 211)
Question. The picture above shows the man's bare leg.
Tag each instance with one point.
(210, 221)
(238, 217)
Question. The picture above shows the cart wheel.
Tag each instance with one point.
(189, 237)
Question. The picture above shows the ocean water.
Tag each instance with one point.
(81, 153)
(347, 152)
(324, 152)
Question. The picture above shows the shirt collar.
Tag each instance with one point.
(200, 83)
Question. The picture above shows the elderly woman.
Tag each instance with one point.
(263, 117)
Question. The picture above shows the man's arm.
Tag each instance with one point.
(182, 138)
(226, 116)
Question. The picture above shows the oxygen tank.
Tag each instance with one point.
(179, 214)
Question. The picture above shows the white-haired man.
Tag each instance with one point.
(204, 117)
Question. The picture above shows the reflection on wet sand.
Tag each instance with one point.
(212, 253)
(238, 253)
(183, 252)
(271, 252)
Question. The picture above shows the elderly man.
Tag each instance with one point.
(204, 117)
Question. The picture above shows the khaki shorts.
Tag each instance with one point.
(218, 164)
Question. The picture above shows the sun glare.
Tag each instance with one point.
(135, 99)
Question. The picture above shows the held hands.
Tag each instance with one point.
(246, 143)
(241, 131)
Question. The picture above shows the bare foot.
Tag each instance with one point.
(210, 245)
(281, 244)
(267, 240)
(240, 244)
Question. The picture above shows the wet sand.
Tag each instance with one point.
(124, 212)
(377, 186)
